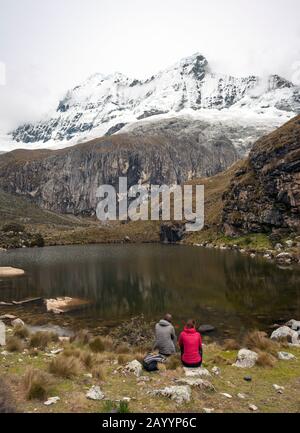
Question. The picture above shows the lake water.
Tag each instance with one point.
(223, 288)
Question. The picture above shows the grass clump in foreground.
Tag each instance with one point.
(65, 366)
(37, 384)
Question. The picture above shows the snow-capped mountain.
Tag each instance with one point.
(105, 104)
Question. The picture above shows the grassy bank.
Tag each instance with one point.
(31, 372)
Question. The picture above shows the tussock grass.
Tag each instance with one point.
(37, 384)
(124, 358)
(122, 348)
(231, 344)
(258, 340)
(82, 337)
(14, 344)
(65, 366)
(21, 331)
(87, 359)
(98, 372)
(265, 359)
(173, 362)
(101, 344)
(41, 339)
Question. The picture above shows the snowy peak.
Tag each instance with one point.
(103, 104)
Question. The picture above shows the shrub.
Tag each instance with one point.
(266, 359)
(41, 339)
(65, 366)
(231, 344)
(14, 344)
(21, 331)
(37, 384)
(13, 227)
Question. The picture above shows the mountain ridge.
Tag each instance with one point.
(104, 104)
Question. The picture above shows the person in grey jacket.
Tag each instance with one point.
(165, 337)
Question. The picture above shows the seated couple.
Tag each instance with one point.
(189, 341)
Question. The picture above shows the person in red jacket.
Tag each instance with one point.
(190, 343)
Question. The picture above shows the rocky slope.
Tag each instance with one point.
(105, 104)
(66, 180)
(264, 195)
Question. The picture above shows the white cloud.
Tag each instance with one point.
(49, 47)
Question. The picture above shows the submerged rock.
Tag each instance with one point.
(180, 394)
(246, 358)
(8, 271)
(206, 328)
(65, 304)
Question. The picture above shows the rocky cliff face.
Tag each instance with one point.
(104, 104)
(66, 180)
(264, 194)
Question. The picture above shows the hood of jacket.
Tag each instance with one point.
(164, 322)
(189, 330)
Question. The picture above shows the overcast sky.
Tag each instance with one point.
(48, 46)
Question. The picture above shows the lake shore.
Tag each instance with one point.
(70, 370)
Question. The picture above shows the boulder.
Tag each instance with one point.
(278, 388)
(95, 393)
(206, 328)
(246, 358)
(134, 367)
(51, 400)
(284, 258)
(180, 394)
(216, 371)
(208, 410)
(293, 324)
(285, 356)
(196, 382)
(253, 407)
(196, 372)
(17, 322)
(172, 232)
(2, 334)
(65, 304)
(286, 332)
